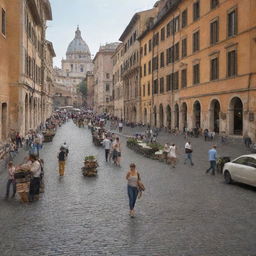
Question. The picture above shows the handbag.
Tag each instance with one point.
(141, 186)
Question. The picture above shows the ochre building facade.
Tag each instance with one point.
(203, 66)
(24, 98)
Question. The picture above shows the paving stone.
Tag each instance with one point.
(182, 212)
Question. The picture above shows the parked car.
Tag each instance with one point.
(241, 169)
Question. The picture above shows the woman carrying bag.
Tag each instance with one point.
(134, 187)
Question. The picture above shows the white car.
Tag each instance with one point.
(242, 169)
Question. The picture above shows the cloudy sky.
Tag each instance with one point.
(101, 21)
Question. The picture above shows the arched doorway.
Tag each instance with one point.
(184, 117)
(145, 116)
(177, 116)
(197, 114)
(134, 115)
(161, 116)
(236, 116)
(169, 117)
(215, 116)
(155, 116)
(4, 121)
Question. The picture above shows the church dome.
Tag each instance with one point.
(78, 45)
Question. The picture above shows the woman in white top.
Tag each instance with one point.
(132, 177)
(173, 155)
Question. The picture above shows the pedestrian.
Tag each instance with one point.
(62, 161)
(188, 152)
(132, 177)
(36, 179)
(117, 151)
(107, 145)
(120, 125)
(166, 152)
(206, 134)
(212, 156)
(18, 140)
(11, 180)
(173, 155)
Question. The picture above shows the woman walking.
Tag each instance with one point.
(132, 177)
(173, 155)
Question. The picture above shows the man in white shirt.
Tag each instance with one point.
(35, 182)
(120, 125)
(107, 145)
(188, 152)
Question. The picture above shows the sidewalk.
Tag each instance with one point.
(233, 149)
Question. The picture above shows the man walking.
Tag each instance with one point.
(212, 155)
(107, 145)
(62, 159)
(188, 152)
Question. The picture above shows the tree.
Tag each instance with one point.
(82, 88)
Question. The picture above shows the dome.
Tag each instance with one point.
(78, 45)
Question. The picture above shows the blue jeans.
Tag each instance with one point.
(188, 157)
(212, 167)
(9, 183)
(132, 194)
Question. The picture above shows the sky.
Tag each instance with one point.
(100, 21)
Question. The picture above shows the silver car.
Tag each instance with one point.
(242, 169)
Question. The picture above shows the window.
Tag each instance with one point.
(170, 55)
(214, 69)
(155, 63)
(162, 60)
(107, 100)
(176, 51)
(232, 63)
(176, 24)
(148, 88)
(196, 41)
(71, 66)
(141, 51)
(155, 86)
(232, 23)
(196, 74)
(168, 29)
(184, 78)
(150, 45)
(3, 22)
(144, 90)
(184, 18)
(145, 50)
(168, 83)
(161, 85)
(241, 160)
(156, 39)
(176, 80)
(214, 3)
(214, 30)
(162, 34)
(196, 10)
(107, 87)
(149, 67)
(184, 47)
(251, 162)
(145, 69)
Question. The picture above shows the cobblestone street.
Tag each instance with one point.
(183, 212)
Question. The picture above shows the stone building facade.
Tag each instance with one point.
(74, 69)
(4, 71)
(118, 90)
(103, 83)
(131, 64)
(203, 66)
(90, 90)
(22, 64)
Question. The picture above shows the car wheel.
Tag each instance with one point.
(227, 177)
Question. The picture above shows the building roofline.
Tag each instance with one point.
(51, 48)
